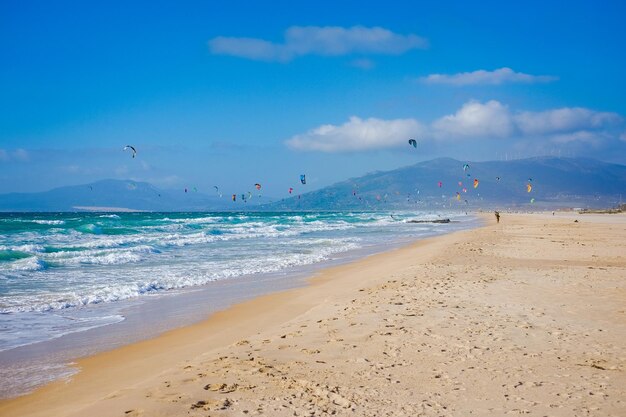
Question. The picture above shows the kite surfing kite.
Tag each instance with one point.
(440, 184)
(303, 179)
(458, 196)
(465, 167)
(475, 183)
(529, 187)
(290, 190)
(413, 143)
(234, 197)
(257, 186)
(132, 148)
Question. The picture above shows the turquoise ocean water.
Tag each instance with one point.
(67, 273)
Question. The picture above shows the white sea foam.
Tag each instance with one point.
(22, 265)
(81, 265)
(50, 222)
(29, 248)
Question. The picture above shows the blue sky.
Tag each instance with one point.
(232, 93)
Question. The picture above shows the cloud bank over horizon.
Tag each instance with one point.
(499, 76)
(319, 40)
(475, 121)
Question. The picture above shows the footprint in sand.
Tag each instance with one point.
(222, 388)
(212, 405)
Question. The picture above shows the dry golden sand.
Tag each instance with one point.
(523, 317)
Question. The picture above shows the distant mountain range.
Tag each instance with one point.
(555, 182)
(113, 195)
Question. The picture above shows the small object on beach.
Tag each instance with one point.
(576, 221)
(429, 221)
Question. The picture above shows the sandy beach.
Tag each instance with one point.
(527, 316)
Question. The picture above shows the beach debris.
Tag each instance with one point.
(413, 143)
(429, 221)
(132, 148)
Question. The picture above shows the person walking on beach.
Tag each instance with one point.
(497, 216)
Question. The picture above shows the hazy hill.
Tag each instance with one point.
(555, 182)
(114, 193)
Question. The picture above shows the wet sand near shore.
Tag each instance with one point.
(527, 316)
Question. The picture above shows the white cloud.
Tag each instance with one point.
(496, 77)
(581, 136)
(316, 40)
(473, 122)
(563, 120)
(249, 48)
(357, 135)
(474, 119)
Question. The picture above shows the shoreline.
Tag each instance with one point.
(126, 380)
(147, 318)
